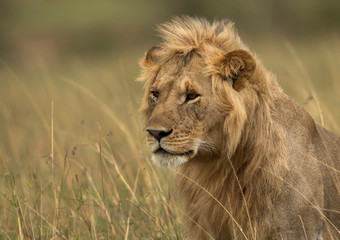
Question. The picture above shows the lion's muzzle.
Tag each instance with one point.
(158, 134)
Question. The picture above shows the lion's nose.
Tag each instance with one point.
(158, 134)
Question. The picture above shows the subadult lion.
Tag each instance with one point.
(252, 163)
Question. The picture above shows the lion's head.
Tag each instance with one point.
(194, 103)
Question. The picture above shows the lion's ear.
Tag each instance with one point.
(239, 66)
(153, 56)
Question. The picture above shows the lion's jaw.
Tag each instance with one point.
(165, 157)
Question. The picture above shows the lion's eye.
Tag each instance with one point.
(155, 94)
(191, 96)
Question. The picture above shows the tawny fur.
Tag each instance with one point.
(270, 171)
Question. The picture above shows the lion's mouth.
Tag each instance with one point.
(184, 154)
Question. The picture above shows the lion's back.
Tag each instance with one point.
(314, 160)
(329, 152)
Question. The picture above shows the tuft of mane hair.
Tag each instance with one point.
(185, 33)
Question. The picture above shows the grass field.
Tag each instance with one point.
(73, 164)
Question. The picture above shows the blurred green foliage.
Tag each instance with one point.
(58, 30)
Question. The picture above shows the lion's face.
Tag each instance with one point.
(193, 103)
(182, 119)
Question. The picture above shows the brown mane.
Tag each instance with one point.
(260, 148)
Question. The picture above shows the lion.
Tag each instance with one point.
(251, 163)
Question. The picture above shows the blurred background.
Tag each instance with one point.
(60, 34)
(53, 31)
(57, 31)
(92, 177)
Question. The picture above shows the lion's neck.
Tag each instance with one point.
(243, 186)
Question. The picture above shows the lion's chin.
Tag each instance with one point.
(163, 158)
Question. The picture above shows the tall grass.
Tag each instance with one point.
(73, 164)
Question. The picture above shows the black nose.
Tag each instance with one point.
(158, 134)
